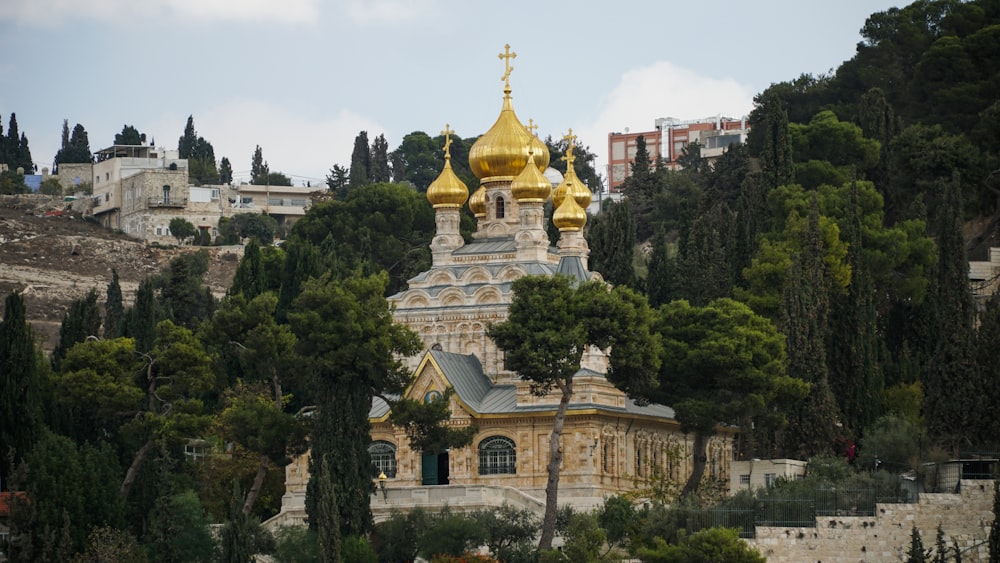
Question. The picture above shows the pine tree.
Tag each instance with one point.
(360, 161)
(20, 407)
(114, 308)
(379, 161)
(129, 136)
(338, 180)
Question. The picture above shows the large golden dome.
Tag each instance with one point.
(531, 184)
(502, 152)
(447, 190)
(477, 202)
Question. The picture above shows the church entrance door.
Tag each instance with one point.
(435, 469)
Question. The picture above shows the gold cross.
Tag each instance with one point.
(506, 64)
(532, 126)
(569, 158)
(447, 139)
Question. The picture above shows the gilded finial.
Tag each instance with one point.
(531, 127)
(507, 56)
(447, 140)
(569, 158)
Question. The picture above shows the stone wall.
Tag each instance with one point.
(965, 517)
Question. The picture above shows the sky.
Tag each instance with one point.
(301, 78)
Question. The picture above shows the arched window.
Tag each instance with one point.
(383, 456)
(497, 456)
(501, 208)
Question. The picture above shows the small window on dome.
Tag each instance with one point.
(501, 208)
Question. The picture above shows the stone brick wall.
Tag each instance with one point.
(965, 517)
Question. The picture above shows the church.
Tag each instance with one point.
(611, 444)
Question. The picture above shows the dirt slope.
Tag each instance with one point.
(52, 256)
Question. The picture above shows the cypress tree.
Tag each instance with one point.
(188, 141)
(379, 160)
(949, 377)
(360, 161)
(328, 518)
(237, 536)
(916, 553)
(225, 171)
(612, 244)
(812, 428)
(114, 309)
(259, 171)
(855, 373)
(249, 279)
(704, 262)
(143, 316)
(20, 403)
(81, 321)
(662, 273)
(770, 132)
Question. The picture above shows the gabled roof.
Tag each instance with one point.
(480, 396)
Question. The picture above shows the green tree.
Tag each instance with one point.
(141, 318)
(237, 535)
(351, 349)
(618, 519)
(706, 546)
(249, 279)
(51, 186)
(176, 374)
(722, 364)
(12, 182)
(258, 168)
(805, 316)
(20, 406)
(549, 325)
(360, 162)
(114, 309)
(258, 226)
(182, 291)
(612, 244)
(337, 180)
(949, 377)
(225, 171)
(200, 155)
(379, 161)
(75, 147)
(916, 554)
(82, 321)
(770, 140)
(179, 530)
(506, 530)
(182, 229)
(450, 534)
(128, 136)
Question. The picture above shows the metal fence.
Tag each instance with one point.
(794, 512)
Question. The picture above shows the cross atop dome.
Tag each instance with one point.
(507, 55)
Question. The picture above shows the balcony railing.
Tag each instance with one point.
(167, 202)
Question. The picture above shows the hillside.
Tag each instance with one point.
(52, 256)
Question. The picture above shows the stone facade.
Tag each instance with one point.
(965, 518)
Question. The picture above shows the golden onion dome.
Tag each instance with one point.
(570, 216)
(447, 190)
(477, 202)
(502, 152)
(531, 184)
(571, 182)
(539, 147)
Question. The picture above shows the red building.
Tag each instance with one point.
(669, 139)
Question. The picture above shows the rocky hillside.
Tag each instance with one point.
(52, 256)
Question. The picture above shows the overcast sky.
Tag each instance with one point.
(302, 77)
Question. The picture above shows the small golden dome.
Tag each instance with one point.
(477, 202)
(569, 216)
(502, 152)
(531, 184)
(447, 190)
(571, 182)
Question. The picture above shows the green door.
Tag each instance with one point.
(430, 469)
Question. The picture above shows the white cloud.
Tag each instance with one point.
(663, 90)
(300, 146)
(52, 12)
